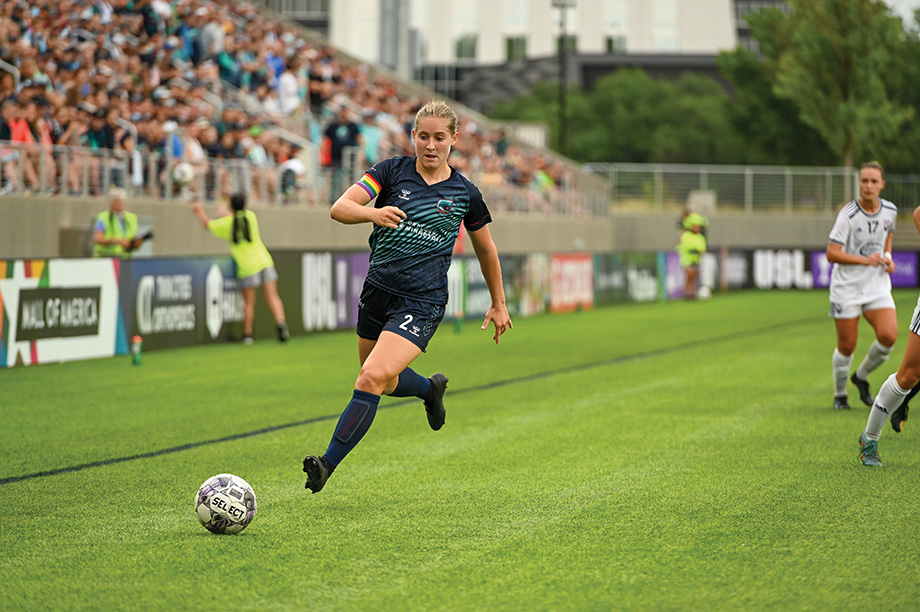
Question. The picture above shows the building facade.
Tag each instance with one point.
(462, 48)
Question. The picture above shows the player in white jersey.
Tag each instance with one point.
(860, 246)
(894, 391)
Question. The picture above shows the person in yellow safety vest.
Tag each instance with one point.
(115, 231)
(691, 248)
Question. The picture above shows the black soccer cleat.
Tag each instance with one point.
(863, 386)
(841, 402)
(899, 416)
(283, 332)
(318, 471)
(434, 403)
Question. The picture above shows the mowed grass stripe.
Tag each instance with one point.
(396, 404)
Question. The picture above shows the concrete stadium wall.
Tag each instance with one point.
(55, 227)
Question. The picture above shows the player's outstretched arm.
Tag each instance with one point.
(491, 268)
(198, 211)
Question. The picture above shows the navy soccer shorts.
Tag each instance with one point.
(379, 310)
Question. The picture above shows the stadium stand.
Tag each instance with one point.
(102, 93)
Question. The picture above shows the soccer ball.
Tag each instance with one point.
(225, 504)
(704, 293)
(183, 173)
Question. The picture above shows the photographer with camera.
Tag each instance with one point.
(115, 231)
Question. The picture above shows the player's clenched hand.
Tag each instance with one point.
(499, 317)
(388, 216)
(887, 263)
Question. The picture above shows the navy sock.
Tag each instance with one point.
(352, 425)
(411, 384)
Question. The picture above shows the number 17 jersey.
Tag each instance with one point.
(861, 233)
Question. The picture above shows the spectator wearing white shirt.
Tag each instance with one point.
(289, 87)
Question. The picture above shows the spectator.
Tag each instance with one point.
(42, 129)
(263, 178)
(341, 133)
(289, 88)
(30, 153)
(115, 230)
(229, 66)
(292, 172)
(12, 157)
(100, 138)
(372, 136)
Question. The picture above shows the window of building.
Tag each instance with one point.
(466, 26)
(569, 40)
(515, 47)
(517, 15)
(743, 8)
(300, 8)
(664, 25)
(616, 45)
(466, 47)
(418, 28)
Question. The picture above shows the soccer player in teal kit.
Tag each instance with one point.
(420, 204)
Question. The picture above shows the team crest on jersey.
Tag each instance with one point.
(445, 206)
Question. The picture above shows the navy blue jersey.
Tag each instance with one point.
(413, 259)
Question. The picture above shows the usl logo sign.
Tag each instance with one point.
(781, 269)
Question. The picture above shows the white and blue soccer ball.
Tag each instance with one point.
(183, 173)
(225, 504)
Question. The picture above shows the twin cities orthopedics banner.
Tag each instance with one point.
(179, 302)
(59, 310)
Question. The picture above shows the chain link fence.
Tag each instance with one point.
(743, 188)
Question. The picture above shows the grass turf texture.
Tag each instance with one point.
(664, 456)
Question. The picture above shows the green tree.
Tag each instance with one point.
(830, 58)
(902, 156)
(767, 123)
(698, 129)
(631, 117)
(617, 121)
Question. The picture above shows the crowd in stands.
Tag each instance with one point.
(204, 81)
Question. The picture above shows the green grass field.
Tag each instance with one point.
(673, 456)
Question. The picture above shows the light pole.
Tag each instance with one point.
(563, 6)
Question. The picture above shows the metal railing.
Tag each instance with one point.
(28, 169)
(745, 188)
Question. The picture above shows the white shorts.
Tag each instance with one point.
(256, 280)
(852, 310)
